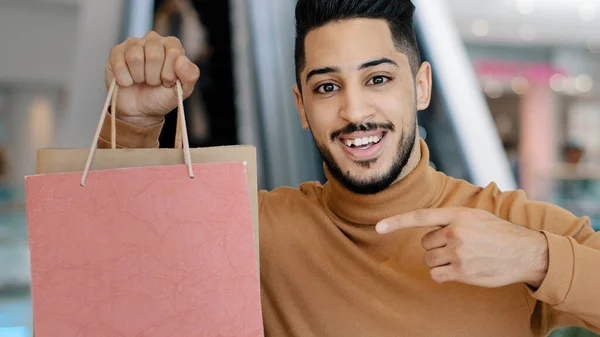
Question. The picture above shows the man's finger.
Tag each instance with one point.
(443, 274)
(417, 219)
(135, 59)
(155, 57)
(173, 50)
(435, 239)
(438, 257)
(117, 67)
(188, 73)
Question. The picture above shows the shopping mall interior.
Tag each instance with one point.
(516, 98)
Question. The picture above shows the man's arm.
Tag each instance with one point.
(504, 239)
(129, 135)
(570, 290)
(572, 284)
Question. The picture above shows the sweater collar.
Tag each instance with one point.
(415, 191)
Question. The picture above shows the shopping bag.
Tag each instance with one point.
(127, 243)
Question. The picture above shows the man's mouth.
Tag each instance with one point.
(363, 142)
(363, 145)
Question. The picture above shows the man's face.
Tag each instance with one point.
(359, 99)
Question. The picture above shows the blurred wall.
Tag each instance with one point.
(38, 41)
(52, 62)
(98, 26)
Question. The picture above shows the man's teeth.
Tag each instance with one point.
(362, 141)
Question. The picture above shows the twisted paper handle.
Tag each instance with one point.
(181, 132)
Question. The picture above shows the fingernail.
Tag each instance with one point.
(382, 227)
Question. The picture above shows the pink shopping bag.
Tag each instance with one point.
(145, 250)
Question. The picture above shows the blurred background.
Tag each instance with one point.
(516, 97)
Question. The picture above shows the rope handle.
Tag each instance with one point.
(181, 136)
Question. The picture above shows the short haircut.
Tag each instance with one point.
(313, 14)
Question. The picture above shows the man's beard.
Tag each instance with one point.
(377, 184)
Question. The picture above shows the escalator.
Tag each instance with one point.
(460, 132)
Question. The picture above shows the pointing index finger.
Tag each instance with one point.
(417, 219)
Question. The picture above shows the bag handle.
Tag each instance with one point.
(181, 136)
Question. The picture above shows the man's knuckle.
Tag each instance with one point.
(115, 51)
(458, 234)
(131, 40)
(174, 53)
(154, 55)
(172, 40)
(153, 35)
(134, 57)
(450, 233)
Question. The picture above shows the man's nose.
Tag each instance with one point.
(356, 107)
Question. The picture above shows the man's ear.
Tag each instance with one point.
(423, 84)
(300, 107)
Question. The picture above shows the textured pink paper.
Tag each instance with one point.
(144, 252)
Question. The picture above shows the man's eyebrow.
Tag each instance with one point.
(329, 70)
(321, 71)
(377, 62)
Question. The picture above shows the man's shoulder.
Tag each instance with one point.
(283, 197)
(513, 206)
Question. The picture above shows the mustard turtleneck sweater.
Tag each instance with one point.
(325, 271)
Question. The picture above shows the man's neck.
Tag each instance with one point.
(413, 159)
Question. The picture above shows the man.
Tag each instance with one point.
(388, 247)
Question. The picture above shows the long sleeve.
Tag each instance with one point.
(570, 293)
(572, 283)
(129, 135)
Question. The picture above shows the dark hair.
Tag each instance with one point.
(313, 14)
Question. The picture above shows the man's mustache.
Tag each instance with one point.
(350, 128)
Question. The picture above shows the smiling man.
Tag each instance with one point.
(359, 92)
(388, 246)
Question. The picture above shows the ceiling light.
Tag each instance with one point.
(587, 11)
(480, 27)
(527, 32)
(570, 88)
(557, 82)
(525, 6)
(520, 85)
(584, 83)
(493, 89)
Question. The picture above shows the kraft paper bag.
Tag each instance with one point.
(139, 244)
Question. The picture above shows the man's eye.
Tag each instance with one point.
(379, 80)
(326, 88)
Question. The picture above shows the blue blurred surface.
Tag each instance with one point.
(19, 331)
(15, 301)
